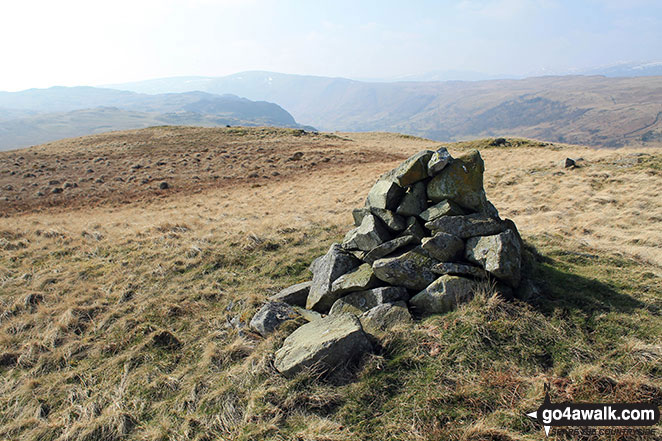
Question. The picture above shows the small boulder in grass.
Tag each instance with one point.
(268, 318)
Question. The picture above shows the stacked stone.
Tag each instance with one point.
(426, 235)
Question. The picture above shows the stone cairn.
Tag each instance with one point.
(425, 238)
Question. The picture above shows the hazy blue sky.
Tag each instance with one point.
(68, 42)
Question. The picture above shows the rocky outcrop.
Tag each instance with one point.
(426, 231)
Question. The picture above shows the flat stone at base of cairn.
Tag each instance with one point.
(322, 345)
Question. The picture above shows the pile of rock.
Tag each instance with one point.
(426, 235)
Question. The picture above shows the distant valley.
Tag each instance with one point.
(600, 111)
(42, 115)
(591, 110)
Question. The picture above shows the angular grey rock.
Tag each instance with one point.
(325, 344)
(385, 193)
(569, 163)
(294, 295)
(414, 201)
(334, 264)
(438, 161)
(358, 214)
(393, 221)
(272, 314)
(371, 233)
(499, 254)
(414, 169)
(467, 226)
(382, 318)
(443, 208)
(411, 269)
(443, 295)
(443, 246)
(462, 182)
(307, 314)
(414, 228)
(314, 264)
(359, 279)
(361, 301)
(388, 247)
(459, 269)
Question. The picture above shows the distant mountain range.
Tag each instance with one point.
(597, 110)
(41, 115)
(592, 110)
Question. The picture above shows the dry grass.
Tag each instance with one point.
(127, 321)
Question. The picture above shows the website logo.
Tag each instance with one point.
(594, 414)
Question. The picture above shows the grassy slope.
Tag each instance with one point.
(118, 324)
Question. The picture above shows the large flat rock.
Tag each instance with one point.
(467, 226)
(325, 344)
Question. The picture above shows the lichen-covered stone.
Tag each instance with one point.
(389, 247)
(414, 169)
(361, 301)
(414, 201)
(322, 345)
(334, 264)
(294, 295)
(438, 161)
(499, 254)
(382, 318)
(443, 208)
(386, 193)
(359, 279)
(371, 233)
(414, 228)
(461, 181)
(443, 295)
(268, 318)
(459, 269)
(443, 246)
(411, 269)
(392, 221)
(467, 226)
